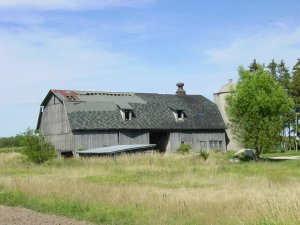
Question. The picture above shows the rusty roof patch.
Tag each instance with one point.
(68, 95)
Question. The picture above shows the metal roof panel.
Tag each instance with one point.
(117, 149)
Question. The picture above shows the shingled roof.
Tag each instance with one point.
(101, 111)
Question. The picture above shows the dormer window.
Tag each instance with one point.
(180, 115)
(127, 114)
(126, 111)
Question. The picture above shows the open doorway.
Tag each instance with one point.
(161, 139)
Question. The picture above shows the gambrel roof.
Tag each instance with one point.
(101, 111)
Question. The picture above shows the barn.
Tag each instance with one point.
(78, 120)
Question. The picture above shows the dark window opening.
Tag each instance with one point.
(180, 114)
(127, 115)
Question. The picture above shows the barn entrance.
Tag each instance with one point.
(161, 139)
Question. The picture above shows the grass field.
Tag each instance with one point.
(155, 189)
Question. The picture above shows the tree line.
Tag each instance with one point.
(15, 141)
(288, 79)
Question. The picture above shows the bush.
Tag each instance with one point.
(184, 148)
(36, 148)
(204, 154)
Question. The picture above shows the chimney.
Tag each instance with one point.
(180, 91)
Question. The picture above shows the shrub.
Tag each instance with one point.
(36, 148)
(184, 148)
(204, 154)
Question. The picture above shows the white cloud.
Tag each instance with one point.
(71, 4)
(263, 46)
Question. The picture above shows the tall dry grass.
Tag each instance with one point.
(172, 189)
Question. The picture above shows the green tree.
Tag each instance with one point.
(284, 77)
(273, 69)
(295, 85)
(295, 92)
(257, 109)
(254, 66)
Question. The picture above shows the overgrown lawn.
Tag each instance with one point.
(155, 189)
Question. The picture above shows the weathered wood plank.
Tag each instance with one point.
(89, 140)
(54, 119)
(198, 140)
(61, 142)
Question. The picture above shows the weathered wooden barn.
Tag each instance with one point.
(75, 120)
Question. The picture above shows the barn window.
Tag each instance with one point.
(128, 114)
(180, 114)
(215, 144)
(126, 111)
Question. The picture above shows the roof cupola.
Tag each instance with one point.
(180, 91)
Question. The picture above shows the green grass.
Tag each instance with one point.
(96, 213)
(155, 189)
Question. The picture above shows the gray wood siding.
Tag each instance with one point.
(55, 126)
(54, 119)
(133, 137)
(197, 140)
(62, 142)
(90, 140)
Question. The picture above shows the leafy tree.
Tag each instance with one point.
(36, 148)
(257, 109)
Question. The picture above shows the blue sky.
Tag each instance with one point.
(134, 45)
